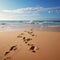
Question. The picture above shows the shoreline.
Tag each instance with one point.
(11, 28)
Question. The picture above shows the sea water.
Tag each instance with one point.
(16, 25)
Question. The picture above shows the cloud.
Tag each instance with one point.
(54, 10)
(32, 9)
(27, 13)
(24, 10)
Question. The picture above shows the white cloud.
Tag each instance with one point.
(30, 9)
(54, 10)
(24, 10)
(23, 13)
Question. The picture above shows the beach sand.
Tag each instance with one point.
(30, 45)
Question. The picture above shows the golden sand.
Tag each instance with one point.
(46, 45)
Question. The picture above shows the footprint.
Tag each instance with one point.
(24, 38)
(28, 39)
(6, 53)
(7, 58)
(26, 42)
(19, 36)
(32, 34)
(22, 33)
(13, 48)
(34, 51)
(33, 48)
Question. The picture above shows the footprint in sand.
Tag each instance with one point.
(13, 48)
(30, 32)
(22, 33)
(6, 53)
(19, 36)
(7, 58)
(26, 40)
(33, 48)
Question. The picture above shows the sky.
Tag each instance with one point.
(29, 9)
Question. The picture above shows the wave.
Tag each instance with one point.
(41, 22)
(27, 24)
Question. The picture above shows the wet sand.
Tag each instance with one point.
(30, 45)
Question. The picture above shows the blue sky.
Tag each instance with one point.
(29, 9)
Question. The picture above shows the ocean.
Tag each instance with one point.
(47, 25)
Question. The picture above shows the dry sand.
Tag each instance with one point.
(26, 45)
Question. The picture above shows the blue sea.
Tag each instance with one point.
(47, 25)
